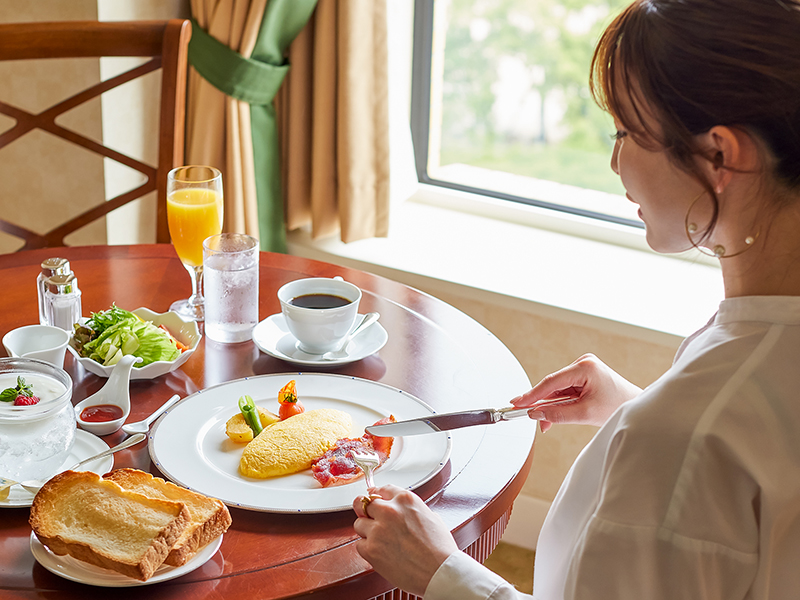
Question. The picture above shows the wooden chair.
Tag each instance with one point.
(165, 41)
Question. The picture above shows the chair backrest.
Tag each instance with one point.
(165, 42)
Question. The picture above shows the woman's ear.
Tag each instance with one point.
(727, 151)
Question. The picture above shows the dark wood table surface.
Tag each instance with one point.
(434, 352)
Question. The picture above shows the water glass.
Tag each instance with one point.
(230, 266)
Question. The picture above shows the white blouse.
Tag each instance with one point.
(691, 490)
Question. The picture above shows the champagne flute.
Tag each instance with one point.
(194, 212)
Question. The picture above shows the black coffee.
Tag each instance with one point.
(319, 301)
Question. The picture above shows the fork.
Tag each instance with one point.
(368, 461)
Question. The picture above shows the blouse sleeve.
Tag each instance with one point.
(463, 578)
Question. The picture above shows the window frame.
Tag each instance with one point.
(420, 125)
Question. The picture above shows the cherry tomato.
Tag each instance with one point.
(290, 410)
(290, 405)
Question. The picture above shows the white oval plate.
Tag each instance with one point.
(86, 445)
(77, 570)
(189, 444)
(186, 332)
(272, 337)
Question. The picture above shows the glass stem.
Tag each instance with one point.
(196, 273)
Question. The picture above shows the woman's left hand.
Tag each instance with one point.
(403, 539)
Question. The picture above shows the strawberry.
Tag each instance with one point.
(26, 400)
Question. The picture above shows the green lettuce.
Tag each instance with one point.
(112, 334)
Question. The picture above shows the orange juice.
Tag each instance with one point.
(193, 214)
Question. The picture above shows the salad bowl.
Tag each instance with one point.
(186, 332)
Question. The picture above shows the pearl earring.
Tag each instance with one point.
(718, 250)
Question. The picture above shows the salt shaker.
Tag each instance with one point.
(50, 267)
(62, 300)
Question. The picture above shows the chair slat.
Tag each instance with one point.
(166, 42)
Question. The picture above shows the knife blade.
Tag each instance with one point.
(455, 420)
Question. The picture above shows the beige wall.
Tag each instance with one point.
(130, 122)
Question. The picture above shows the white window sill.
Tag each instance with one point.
(512, 251)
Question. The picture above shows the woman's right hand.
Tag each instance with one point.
(403, 539)
(586, 392)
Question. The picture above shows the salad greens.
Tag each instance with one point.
(109, 335)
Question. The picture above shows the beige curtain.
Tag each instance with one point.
(333, 117)
(218, 126)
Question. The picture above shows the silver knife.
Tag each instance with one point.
(456, 420)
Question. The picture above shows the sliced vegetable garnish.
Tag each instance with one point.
(288, 393)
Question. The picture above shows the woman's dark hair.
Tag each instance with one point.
(701, 63)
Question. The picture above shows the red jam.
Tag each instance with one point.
(101, 413)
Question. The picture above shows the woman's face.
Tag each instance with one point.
(664, 192)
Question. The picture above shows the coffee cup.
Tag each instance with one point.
(319, 312)
(42, 342)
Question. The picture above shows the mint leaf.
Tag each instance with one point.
(8, 395)
(22, 389)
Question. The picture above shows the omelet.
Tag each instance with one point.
(290, 446)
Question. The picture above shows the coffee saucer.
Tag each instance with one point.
(272, 337)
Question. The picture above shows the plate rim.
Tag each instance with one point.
(314, 363)
(444, 459)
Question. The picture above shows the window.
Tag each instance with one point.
(501, 104)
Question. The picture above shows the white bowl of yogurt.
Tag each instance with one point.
(35, 440)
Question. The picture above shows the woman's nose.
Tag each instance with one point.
(615, 157)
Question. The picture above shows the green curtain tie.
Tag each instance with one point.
(252, 81)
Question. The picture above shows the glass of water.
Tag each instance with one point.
(230, 270)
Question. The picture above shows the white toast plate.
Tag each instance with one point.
(77, 570)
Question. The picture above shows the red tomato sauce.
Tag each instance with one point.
(101, 413)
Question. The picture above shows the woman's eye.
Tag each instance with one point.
(618, 135)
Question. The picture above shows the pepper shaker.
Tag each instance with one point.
(50, 267)
(63, 301)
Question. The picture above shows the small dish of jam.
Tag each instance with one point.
(105, 411)
(99, 416)
(101, 413)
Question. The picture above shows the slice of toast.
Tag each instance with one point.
(99, 522)
(209, 517)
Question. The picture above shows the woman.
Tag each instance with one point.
(691, 487)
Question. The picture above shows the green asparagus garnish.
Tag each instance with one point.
(251, 416)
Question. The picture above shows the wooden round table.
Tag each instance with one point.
(434, 352)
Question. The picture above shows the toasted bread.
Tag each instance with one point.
(98, 522)
(209, 517)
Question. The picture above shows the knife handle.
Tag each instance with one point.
(512, 412)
